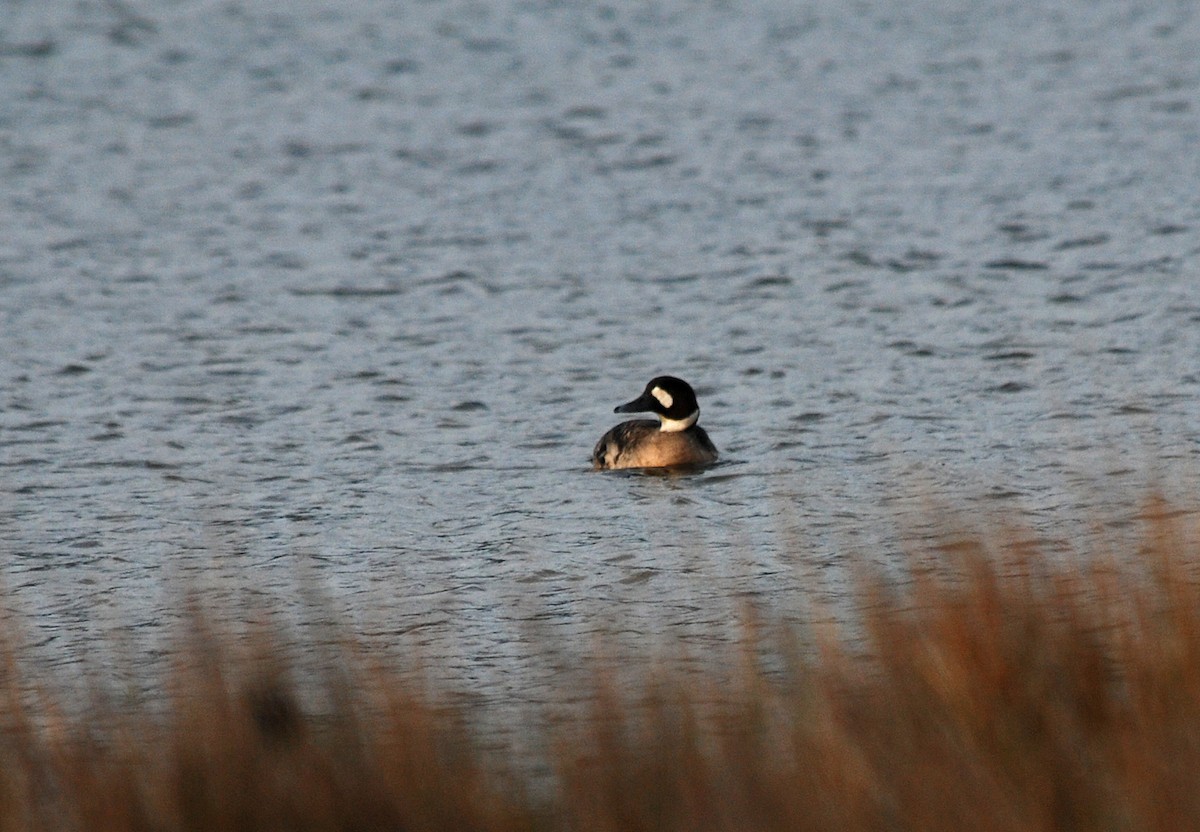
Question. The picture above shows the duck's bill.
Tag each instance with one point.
(642, 404)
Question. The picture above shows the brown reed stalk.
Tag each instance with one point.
(996, 688)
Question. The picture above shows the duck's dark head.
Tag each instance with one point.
(672, 399)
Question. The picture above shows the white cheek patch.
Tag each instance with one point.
(664, 398)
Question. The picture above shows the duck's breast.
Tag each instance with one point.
(640, 444)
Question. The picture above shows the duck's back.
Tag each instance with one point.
(640, 443)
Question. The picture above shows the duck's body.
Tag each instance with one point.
(673, 441)
(641, 443)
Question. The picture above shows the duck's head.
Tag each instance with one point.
(672, 399)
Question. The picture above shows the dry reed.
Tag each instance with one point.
(1001, 691)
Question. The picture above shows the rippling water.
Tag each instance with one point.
(336, 298)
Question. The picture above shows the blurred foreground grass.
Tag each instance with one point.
(1004, 690)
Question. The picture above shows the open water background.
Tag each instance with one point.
(333, 298)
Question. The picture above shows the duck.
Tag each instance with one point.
(674, 440)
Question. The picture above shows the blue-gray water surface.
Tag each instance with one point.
(332, 299)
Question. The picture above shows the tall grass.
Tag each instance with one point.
(1003, 690)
